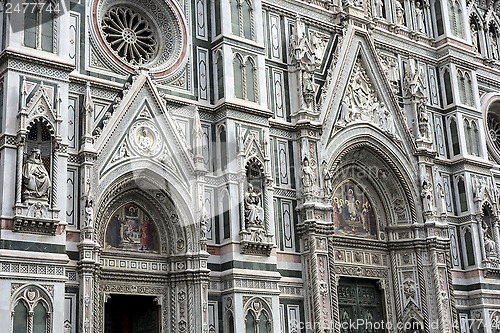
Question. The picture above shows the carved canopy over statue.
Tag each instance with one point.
(36, 179)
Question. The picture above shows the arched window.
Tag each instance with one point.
(475, 139)
(245, 78)
(39, 18)
(462, 196)
(220, 75)
(447, 86)
(238, 77)
(247, 13)
(263, 323)
(468, 139)
(32, 310)
(40, 319)
(439, 17)
(454, 137)
(250, 323)
(455, 15)
(230, 324)
(461, 87)
(223, 147)
(468, 90)
(226, 222)
(469, 248)
(250, 80)
(242, 18)
(20, 318)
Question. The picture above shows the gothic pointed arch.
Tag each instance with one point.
(364, 97)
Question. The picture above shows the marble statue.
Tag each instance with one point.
(489, 243)
(379, 8)
(327, 179)
(36, 179)
(205, 217)
(400, 13)
(254, 213)
(427, 197)
(442, 199)
(473, 36)
(89, 212)
(307, 174)
(419, 15)
(493, 45)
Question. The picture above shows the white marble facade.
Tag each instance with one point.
(249, 166)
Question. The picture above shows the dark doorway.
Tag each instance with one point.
(360, 306)
(131, 314)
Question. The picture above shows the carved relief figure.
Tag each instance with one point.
(36, 179)
(254, 213)
(144, 140)
(442, 199)
(89, 212)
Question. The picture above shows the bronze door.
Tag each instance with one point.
(360, 306)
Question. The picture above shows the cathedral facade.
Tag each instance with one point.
(230, 166)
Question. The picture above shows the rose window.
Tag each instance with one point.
(129, 35)
(494, 129)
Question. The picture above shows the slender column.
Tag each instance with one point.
(55, 171)
(19, 171)
(496, 235)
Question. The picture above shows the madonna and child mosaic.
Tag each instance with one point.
(352, 211)
(130, 228)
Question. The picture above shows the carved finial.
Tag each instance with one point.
(198, 140)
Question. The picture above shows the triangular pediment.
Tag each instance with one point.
(142, 134)
(41, 106)
(361, 95)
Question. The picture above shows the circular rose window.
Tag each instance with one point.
(129, 35)
(140, 34)
(493, 123)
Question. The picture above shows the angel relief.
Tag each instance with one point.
(130, 228)
(352, 211)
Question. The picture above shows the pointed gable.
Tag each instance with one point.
(362, 94)
(142, 133)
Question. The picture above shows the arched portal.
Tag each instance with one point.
(150, 261)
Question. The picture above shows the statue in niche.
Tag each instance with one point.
(327, 180)
(379, 8)
(489, 243)
(254, 213)
(89, 212)
(427, 197)
(419, 15)
(307, 174)
(442, 199)
(493, 45)
(423, 119)
(36, 179)
(473, 36)
(414, 83)
(400, 13)
(205, 218)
